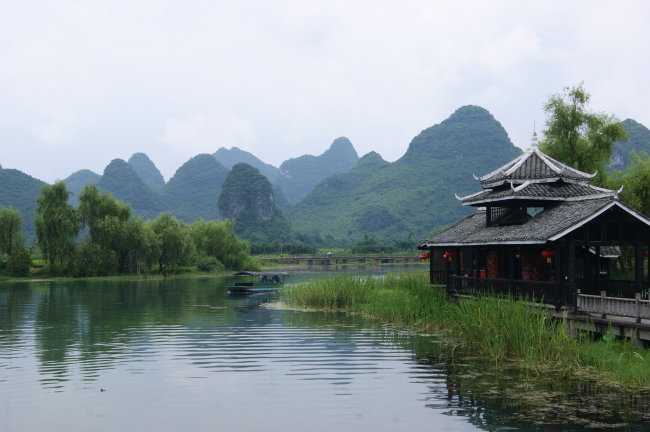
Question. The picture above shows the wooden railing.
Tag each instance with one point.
(614, 288)
(439, 277)
(602, 304)
(541, 291)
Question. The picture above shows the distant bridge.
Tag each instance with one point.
(324, 260)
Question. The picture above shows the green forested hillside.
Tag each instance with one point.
(230, 157)
(123, 183)
(147, 171)
(415, 194)
(638, 139)
(247, 198)
(193, 192)
(76, 181)
(299, 176)
(20, 191)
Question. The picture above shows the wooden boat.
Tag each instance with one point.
(257, 282)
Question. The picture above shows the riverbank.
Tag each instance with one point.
(500, 329)
(150, 277)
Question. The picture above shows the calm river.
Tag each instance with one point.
(182, 355)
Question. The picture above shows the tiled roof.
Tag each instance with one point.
(533, 165)
(539, 229)
(558, 191)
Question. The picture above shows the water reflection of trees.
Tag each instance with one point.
(96, 325)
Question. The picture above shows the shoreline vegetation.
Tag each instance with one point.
(126, 277)
(502, 330)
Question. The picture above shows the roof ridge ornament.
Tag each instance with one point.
(520, 187)
(534, 142)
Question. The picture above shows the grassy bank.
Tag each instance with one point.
(501, 329)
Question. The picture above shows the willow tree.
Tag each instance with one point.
(10, 235)
(57, 225)
(12, 242)
(218, 240)
(175, 245)
(577, 136)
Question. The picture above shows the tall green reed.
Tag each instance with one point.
(500, 328)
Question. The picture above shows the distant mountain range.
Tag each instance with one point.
(298, 176)
(336, 196)
(415, 194)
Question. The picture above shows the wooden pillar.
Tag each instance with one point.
(448, 273)
(571, 267)
(457, 262)
(598, 268)
(477, 267)
(587, 269)
(432, 267)
(511, 267)
(557, 275)
(648, 260)
(638, 266)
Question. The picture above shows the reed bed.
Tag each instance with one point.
(496, 327)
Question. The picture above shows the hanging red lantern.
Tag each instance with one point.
(548, 254)
(425, 256)
(449, 255)
(645, 253)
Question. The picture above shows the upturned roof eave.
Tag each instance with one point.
(489, 243)
(482, 203)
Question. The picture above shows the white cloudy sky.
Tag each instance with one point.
(85, 81)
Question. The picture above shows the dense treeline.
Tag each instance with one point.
(102, 237)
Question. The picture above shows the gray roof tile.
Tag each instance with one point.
(538, 229)
(558, 191)
(533, 165)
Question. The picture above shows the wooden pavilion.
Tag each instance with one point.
(541, 231)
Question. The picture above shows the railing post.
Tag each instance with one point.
(603, 294)
(577, 300)
(637, 308)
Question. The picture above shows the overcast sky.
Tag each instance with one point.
(84, 82)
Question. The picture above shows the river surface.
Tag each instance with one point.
(180, 355)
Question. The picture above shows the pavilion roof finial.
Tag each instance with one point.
(534, 142)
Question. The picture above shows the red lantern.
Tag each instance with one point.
(449, 255)
(425, 256)
(548, 254)
(645, 253)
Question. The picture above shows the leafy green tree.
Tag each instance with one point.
(12, 242)
(19, 261)
(636, 183)
(578, 137)
(118, 243)
(10, 236)
(57, 225)
(218, 240)
(175, 243)
(94, 206)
